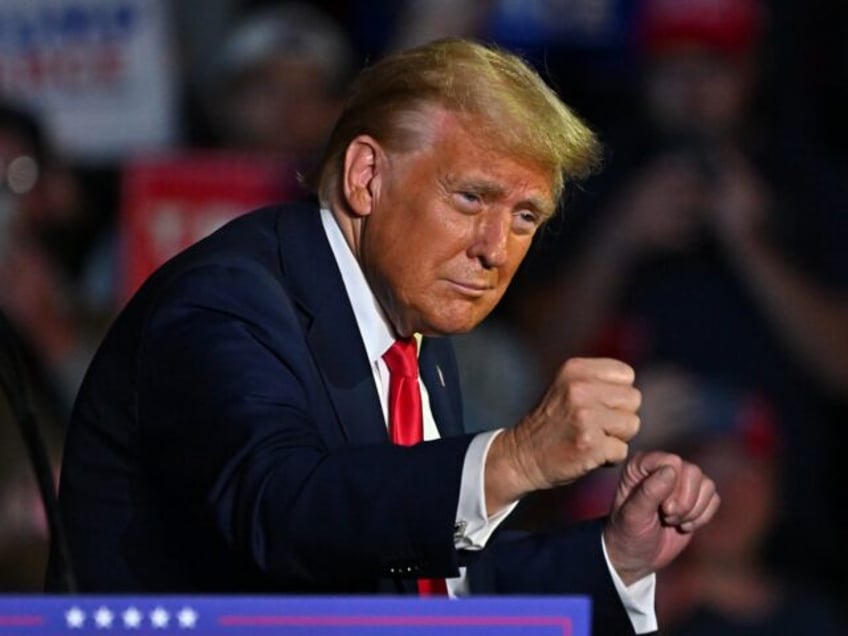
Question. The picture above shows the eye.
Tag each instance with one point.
(468, 201)
(525, 222)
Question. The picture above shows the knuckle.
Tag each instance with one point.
(583, 440)
(673, 460)
(572, 367)
(693, 472)
(635, 425)
(619, 453)
(582, 417)
(637, 398)
(627, 371)
(579, 392)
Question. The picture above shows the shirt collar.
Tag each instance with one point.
(377, 334)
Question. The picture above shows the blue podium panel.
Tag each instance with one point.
(292, 616)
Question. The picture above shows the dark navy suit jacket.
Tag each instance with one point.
(228, 438)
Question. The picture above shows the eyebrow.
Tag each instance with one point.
(492, 190)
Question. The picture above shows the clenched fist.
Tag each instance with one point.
(661, 500)
(584, 421)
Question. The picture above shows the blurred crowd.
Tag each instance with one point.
(711, 252)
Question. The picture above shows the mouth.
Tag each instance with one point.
(470, 288)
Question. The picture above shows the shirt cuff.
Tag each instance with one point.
(638, 598)
(473, 526)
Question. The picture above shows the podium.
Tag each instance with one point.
(291, 616)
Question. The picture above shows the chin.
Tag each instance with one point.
(452, 325)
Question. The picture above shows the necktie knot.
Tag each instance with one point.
(402, 358)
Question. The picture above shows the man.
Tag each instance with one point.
(276, 85)
(232, 433)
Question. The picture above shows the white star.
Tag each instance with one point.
(75, 617)
(187, 618)
(103, 617)
(159, 618)
(132, 618)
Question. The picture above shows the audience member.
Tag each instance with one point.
(718, 244)
(39, 213)
(728, 583)
(278, 83)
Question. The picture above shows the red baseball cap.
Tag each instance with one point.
(726, 26)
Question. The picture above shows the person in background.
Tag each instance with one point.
(40, 217)
(715, 242)
(728, 583)
(277, 83)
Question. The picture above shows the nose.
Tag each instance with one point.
(491, 239)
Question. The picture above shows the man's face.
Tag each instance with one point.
(449, 226)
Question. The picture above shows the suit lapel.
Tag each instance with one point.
(316, 285)
(437, 367)
(332, 334)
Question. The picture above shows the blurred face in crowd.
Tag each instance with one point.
(44, 199)
(19, 171)
(699, 92)
(284, 105)
(445, 225)
(748, 503)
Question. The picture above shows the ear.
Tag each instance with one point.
(361, 175)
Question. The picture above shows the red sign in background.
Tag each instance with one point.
(170, 202)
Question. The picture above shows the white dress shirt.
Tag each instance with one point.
(473, 525)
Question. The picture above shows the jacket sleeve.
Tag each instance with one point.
(570, 562)
(233, 419)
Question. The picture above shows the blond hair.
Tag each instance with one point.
(494, 91)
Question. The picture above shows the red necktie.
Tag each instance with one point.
(406, 424)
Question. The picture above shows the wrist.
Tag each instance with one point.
(506, 482)
(625, 566)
